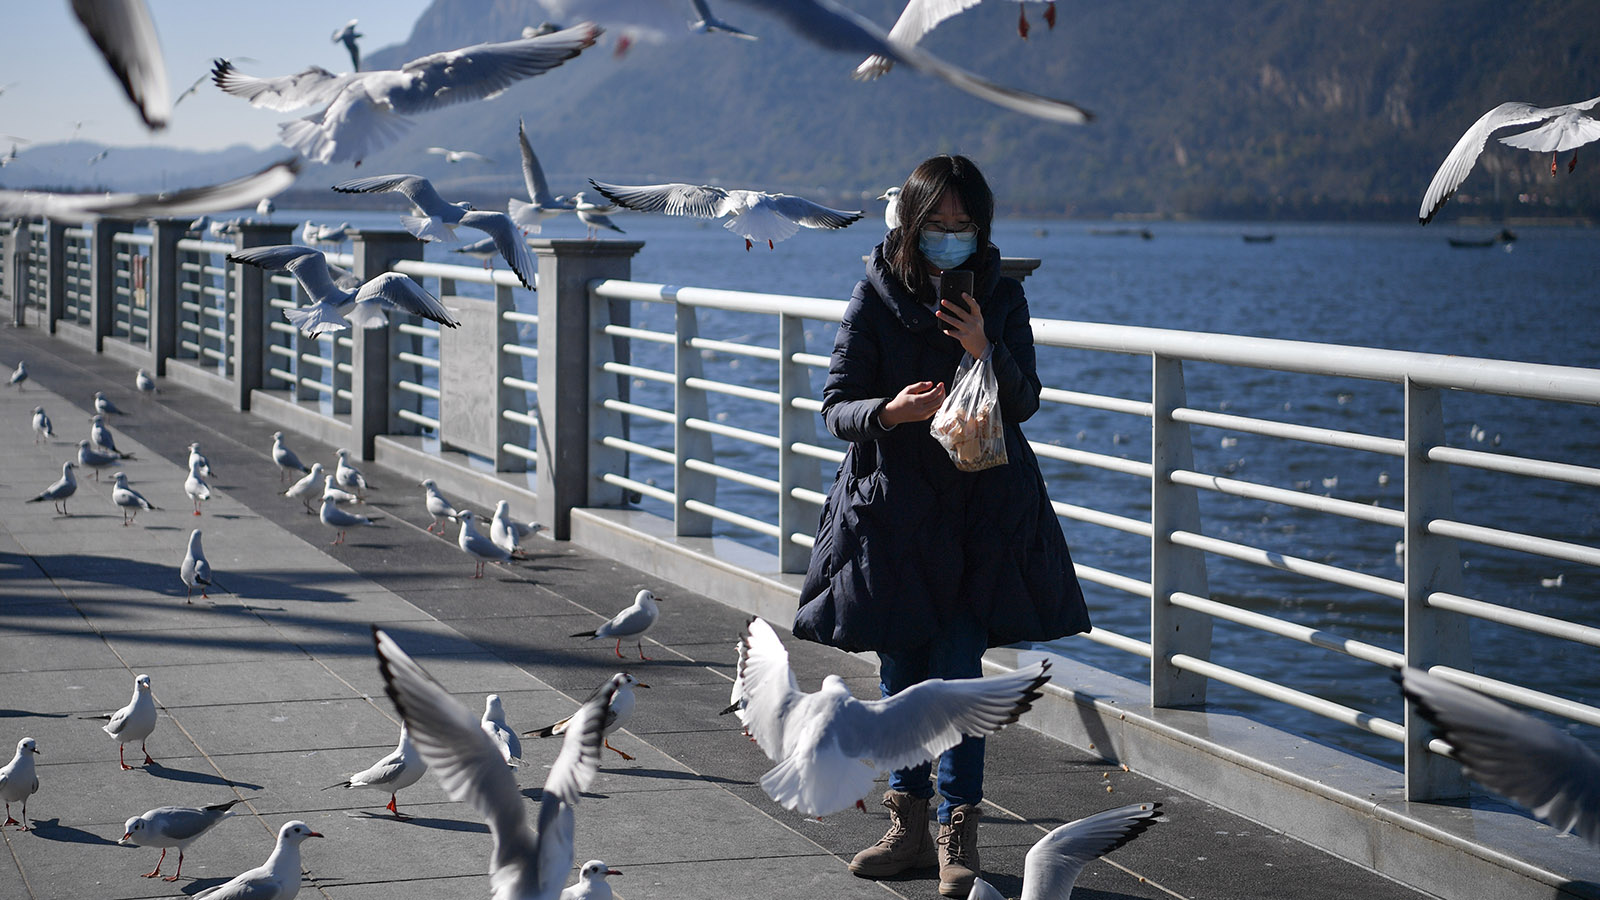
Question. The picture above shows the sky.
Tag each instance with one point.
(55, 77)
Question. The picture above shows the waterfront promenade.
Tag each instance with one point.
(269, 691)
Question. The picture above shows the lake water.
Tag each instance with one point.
(1391, 286)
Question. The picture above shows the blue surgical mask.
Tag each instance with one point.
(947, 249)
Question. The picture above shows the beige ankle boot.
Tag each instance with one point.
(958, 851)
(906, 845)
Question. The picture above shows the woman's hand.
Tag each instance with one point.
(964, 326)
(914, 403)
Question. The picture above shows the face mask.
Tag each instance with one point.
(947, 250)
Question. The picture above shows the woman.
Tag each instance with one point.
(923, 563)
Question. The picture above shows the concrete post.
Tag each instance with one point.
(162, 287)
(570, 350)
(376, 252)
(796, 425)
(250, 312)
(103, 277)
(55, 273)
(1433, 563)
(16, 263)
(1173, 568)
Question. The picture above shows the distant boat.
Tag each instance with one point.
(1123, 232)
(1258, 238)
(1505, 236)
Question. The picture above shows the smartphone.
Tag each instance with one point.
(952, 284)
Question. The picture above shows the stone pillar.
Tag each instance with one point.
(250, 311)
(569, 344)
(55, 273)
(161, 284)
(103, 277)
(376, 252)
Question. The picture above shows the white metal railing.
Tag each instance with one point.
(205, 292)
(130, 318)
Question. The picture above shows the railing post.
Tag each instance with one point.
(796, 425)
(571, 389)
(250, 311)
(1432, 563)
(1173, 568)
(55, 273)
(162, 283)
(376, 252)
(688, 443)
(103, 277)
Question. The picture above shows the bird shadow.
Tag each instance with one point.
(423, 822)
(536, 794)
(53, 830)
(191, 777)
(202, 884)
(676, 775)
(29, 714)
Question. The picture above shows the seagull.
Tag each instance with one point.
(1512, 753)
(525, 864)
(593, 215)
(90, 458)
(128, 498)
(916, 20)
(126, 36)
(437, 505)
(104, 406)
(619, 688)
(1054, 862)
(508, 534)
(329, 492)
(631, 622)
(19, 781)
(19, 375)
(64, 487)
(402, 768)
(891, 212)
(99, 156)
(187, 202)
(339, 520)
(753, 215)
(591, 882)
(455, 156)
(1567, 128)
(829, 746)
(173, 826)
(348, 476)
(835, 28)
(348, 36)
(365, 111)
(133, 722)
(284, 457)
(476, 545)
(276, 879)
(531, 216)
(710, 24)
(195, 571)
(483, 248)
(144, 382)
(306, 487)
(195, 486)
(100, 436)
(312, 233)
(494, 725)
(436, 219)
(42, 430)
(332, 304)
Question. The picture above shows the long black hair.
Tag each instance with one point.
(919, 200)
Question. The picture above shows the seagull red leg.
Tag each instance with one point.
(157, 871)
(147, 760)
(121, 761)
(618, 649)
(1050, 14)
(1022, 22)
(174, 875)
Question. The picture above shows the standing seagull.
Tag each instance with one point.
(1512, 753)
(829, 746)
(474, 544)
(195, 486)
(306, 488)
(753, 215)
(531, 216)
(891, 211)
(19, 781)
(196, 457)
(104, 406)
(64, 487)
(438, 507)
(42, 430)
(494, 725)
(348, 36)
(276, 879)
(506, 533)
(339, 520)
(402, 768)
(173, 826)
(1054, 862)
(591, 882)
(365, 111)
(350, 477)
(90, 458)
(619, 688)
(126, 36)
(146, 386)
(593, 215)
(195, 570)
(525, 864)
(284, 457)
(19, 375)
(133, 722)
(128, 498)
(331, 303)
(330, 492)
(632, 622)
(1569, 130)
(100, 435)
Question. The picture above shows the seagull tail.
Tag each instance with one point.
(784, 784)
(730, 708)
(344, 784)
(316, 319)
(872, 67)
(225, 807)
(549, 730)
(587, 634)
(368, 314)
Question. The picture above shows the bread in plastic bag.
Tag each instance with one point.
(968, 424)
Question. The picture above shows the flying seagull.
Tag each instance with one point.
(187, 202)
(126, 36)
(366, 111)
(348, 36)
(1054, 862)
(531, 216)
(438, 217)
(455, 156)
(331, 304)
(753, 215)
(1566, 128)
(916, 20)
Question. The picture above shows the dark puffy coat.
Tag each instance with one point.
(908, 543)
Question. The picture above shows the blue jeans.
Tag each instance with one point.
(956, 653)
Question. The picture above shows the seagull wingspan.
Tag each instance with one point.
(1464, 155)
(126, 36)
(419, 190)
(533, 173)
(312, 86)
(1054, 862)
(770, 691)
(308, 266)
(916, 20)
(400, 293)
(1568, 131)
(186, 202)
(482, 70)
(700, 200)
(508, 239)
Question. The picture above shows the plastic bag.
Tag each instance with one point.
(968, 424)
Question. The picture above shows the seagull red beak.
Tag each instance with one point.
(316, 834)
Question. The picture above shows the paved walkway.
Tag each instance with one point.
(269, 691)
